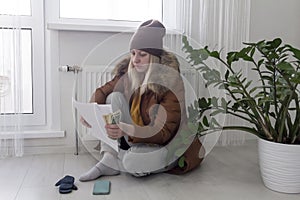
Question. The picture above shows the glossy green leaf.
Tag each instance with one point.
(276, 43)
(215, 54)
(224, 104)
(214, 102)
(285, 66)
(226, 74)
(205, 121)
(181, 162)
(215, 122)
(260, 62)
(203, 103)
(296, 53)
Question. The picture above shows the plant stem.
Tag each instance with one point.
(255, 109)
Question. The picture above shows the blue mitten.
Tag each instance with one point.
(66, 184)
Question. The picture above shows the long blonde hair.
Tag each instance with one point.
(139, 80)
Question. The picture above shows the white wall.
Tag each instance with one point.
(269, 19)
(275, 18)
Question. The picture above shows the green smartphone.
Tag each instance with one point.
(101, 187)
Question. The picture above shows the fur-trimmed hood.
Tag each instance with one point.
(169, 59)
(164, 75)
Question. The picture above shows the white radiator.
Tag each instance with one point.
(92, 78)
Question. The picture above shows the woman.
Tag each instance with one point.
(149, 91)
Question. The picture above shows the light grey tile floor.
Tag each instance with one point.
(226, 173)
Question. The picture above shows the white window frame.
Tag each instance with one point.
(54, 21)
(35, 22)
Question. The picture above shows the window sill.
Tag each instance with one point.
(33, 134)
(60, 26)
(72, 25)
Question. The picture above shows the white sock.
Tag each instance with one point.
(97, 171)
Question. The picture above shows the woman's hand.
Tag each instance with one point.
(113, 131)
(116, 131)
(83, 122)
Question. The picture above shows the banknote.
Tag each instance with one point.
(107, 118)
(112, 118)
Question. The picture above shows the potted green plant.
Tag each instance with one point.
(269, 102)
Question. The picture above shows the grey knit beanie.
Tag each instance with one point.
(148, 37)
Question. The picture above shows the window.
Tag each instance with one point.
(131, 10)
(15, 7)
(9, 52)
(21, 22)
(101, 15)
(112, 15)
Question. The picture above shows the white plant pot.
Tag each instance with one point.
(280, 166)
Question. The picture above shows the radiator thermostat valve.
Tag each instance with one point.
(68, 68)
